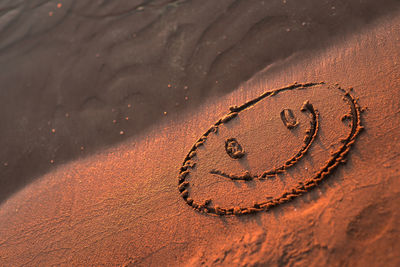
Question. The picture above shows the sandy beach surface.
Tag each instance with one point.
(104, 103)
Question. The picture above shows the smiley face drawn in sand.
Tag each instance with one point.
(270, 150)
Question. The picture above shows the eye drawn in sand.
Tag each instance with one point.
(270, 150)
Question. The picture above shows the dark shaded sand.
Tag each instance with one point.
(81, 75)
(122, 206)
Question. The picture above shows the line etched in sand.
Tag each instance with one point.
(288, 118)
(235, 151)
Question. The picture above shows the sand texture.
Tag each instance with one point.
(84, 75)
(200, 133)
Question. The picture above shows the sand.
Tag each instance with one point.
(264, 177)
(86, 75)
(120, 203)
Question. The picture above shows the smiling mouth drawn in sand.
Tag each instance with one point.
(250, 160)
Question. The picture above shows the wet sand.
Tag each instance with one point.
(122, 205)
(81, 76)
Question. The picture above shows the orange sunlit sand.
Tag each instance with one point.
(294, 162)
